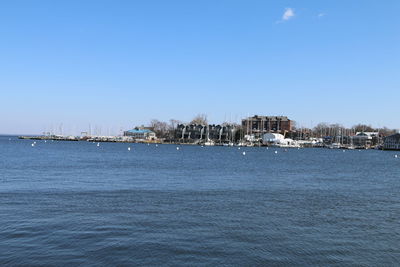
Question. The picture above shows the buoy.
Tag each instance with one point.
(45, 141)
(276, 152)
(239, 148)
(244, 153)
(98, 144)
(395, 156)
(344, 150)
(33, 144)
(177, 148)
(129, 149)
(267, 148)
(156, 144)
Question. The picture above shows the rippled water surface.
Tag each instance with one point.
(73, 203)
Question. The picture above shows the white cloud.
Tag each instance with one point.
(320, 15)
(288, 14)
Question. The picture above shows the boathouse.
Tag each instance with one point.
(140, 134)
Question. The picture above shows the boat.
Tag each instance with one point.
(209, 143)
(335, 146)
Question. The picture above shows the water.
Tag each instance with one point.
(73, 203)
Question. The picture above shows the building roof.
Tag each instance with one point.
(139, 131)
(272, 136)
(367, 133)
(395, 136)
(271, 118)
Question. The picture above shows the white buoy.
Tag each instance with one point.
(244, 153)
(344, 150)
(267, 148)
(395, 156)
(45, 141)
(239, 148)
(156, 145)
(276, 152)
(129, 149)
(148, 144)
(33, 144)
(177, 148)
(98, 144)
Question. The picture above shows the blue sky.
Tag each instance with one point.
(116, 64)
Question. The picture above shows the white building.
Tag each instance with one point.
(272, 138)
(279, 140)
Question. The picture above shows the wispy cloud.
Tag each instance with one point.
(288, 14)
(320, 15)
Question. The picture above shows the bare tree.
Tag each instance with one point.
(363, 128)
(200, 119)
(159, 127)
(321, 130)
(386, 131)
(173, 123)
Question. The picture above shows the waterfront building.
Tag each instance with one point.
(392, 142)
(275, 139)
(365, 139)
(259, 125)
(272, 138)
(191, 133)
(140, 134)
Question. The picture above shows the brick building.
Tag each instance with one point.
(258, 125)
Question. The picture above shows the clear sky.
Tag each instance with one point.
(119, 64)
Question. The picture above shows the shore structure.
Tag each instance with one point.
(206, 134)
(141, 134)
(392, 142)
(260, 125)
(277, 131)
(278, 140)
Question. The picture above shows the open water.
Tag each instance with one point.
(73, 203)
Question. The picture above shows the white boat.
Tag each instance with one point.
(209, 143)
(335, 146)
(228, 144)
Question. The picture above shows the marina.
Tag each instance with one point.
(99, 204)
(200, 133)
(359, 140)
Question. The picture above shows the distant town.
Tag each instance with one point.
(274, 131)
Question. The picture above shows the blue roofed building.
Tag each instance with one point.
(140, 134)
